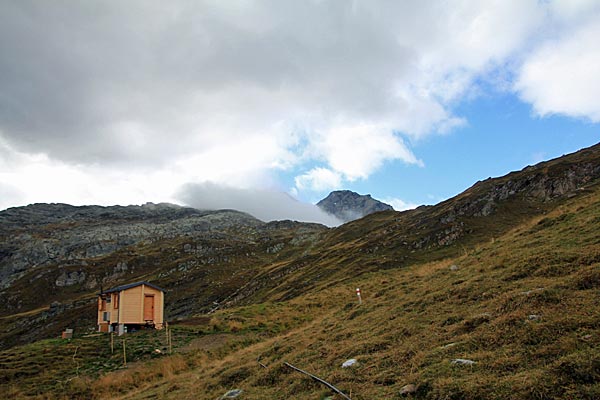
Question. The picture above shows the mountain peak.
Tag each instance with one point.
(347, 205)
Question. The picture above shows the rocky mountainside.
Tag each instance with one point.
(492, 294)
(220, 259)
(348, 206)
(391, 240)
(68, 253)
(44, 234)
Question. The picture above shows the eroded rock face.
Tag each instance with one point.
(50, 234)
(532, 184)
(347, 205)
(70, 278)
(53, 255)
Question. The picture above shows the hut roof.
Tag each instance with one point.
(130, 285)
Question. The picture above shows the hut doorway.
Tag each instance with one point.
(149, 308)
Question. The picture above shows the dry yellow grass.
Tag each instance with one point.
(522, 304)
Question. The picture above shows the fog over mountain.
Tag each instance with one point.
(266, 205)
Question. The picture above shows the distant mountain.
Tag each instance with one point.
(68, 253)
(512, 261)
(348, 205)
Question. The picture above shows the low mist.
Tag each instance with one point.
(263, 204)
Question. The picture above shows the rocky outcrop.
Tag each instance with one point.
(70, 278)
(53, 254)
(348, 206)
(48, 234)
(540, 183)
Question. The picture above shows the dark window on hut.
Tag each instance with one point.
(116, 301)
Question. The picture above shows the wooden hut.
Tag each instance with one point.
(133, 306)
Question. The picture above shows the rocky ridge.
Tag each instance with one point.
(347, 205)
(68, 253)
(226, 258)
(44, 234)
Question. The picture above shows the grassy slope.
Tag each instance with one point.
(524, 305)
(282, 260)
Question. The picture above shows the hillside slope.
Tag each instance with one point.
(523, 307)
(391, 240)
(520, 308)
(506, 274)
(67, 254)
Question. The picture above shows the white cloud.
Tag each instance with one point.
(398, 204)
(561, 76)
(574, 10)
(318, 179)
(139, 99)
(33, 178)
(357, 150)
(263, 204)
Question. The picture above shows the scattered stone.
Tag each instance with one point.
(70, 278)
(587, 338)
(121, 267)
(275, 249)
(462, 361)
(528, 292)
(453, 267)
(408, 389)
(349, 363)
(232, 394)
(91, 282)
(534, 317)
(449, 345)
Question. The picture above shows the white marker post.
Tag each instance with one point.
(358, 294)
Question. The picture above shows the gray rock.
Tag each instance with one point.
(232, 394)
(79, 233)
(70, 278)
(528, 292)
(453, 267)
(408, 389)
(121, 267)
(349, 363)
(91, 282)
(275, 249)
(449, 345)
(347, 205)
(462, 361)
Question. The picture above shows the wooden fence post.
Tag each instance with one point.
(124, 354)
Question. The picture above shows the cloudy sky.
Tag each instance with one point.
(124, 102)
